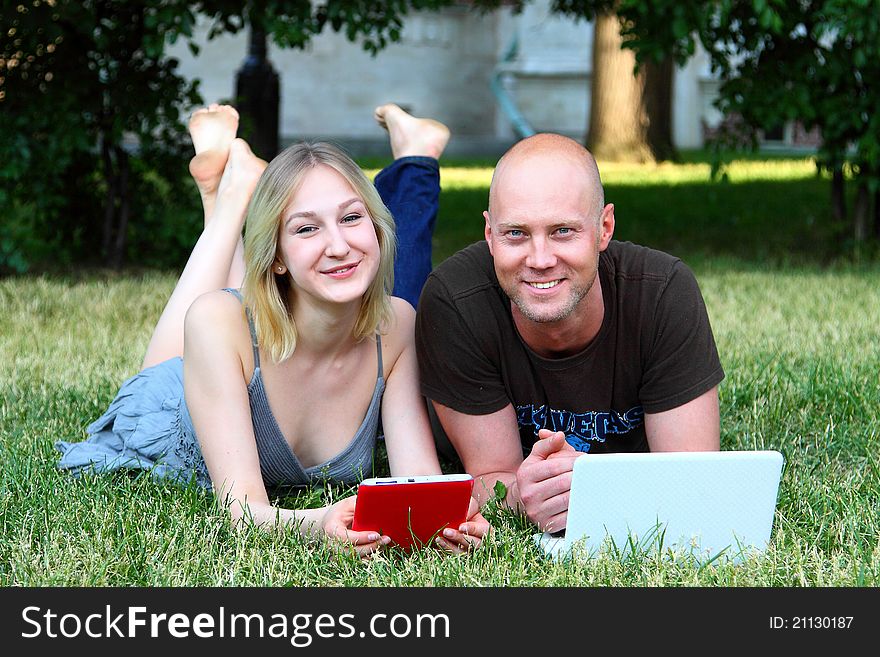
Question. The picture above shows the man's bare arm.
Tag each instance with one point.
(488, 446)
(490, 449)
(691, 427)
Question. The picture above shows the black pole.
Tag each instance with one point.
(258, 97)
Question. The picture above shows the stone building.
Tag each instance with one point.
(476, 73)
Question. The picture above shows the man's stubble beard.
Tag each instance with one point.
(575, 297)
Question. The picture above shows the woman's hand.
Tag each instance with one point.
(336, 525)
(469, 535)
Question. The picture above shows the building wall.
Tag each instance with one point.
(549, 75)
(442, 67)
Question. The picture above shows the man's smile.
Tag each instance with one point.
(544, 285)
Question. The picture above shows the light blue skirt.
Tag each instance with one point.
(146, 427)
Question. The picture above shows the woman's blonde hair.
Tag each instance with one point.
(269, 295)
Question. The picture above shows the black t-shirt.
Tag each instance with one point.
(655, 350)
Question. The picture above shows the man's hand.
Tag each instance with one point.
(544, 480)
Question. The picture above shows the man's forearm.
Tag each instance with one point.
(487, 487)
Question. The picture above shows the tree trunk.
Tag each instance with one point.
(838, 197)
(838, 206)
(877, 215)
(658, 108)
(861, 212)
(109, 198)
(117, 254)
(114, 237)
(630, 115)
(618, 125)
(257, 92)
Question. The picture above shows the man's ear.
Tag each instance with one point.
(606, 226)
(488, 231)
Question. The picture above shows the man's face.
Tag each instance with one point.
(544, 236)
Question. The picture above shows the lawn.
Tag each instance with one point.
(797, 329)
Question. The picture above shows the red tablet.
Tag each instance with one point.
(412, 510)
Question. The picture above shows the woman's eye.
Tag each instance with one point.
(349, 218)
(305, 230)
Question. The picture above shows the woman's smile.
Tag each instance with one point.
(342, 271)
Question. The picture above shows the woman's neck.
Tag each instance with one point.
(324, 328)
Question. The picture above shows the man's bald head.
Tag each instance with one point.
(543, 150)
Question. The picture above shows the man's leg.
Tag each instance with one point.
(410, 188)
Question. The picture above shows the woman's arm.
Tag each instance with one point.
(216, 347)
(408, 436)
(405, 422)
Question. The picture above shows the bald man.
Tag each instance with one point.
(549, 339)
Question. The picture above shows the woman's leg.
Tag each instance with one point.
(211, 260)
(212, 130)
(410, 188)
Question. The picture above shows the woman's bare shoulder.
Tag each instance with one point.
(403, 319)
(217, 315)
(216, 305)
(397, 336)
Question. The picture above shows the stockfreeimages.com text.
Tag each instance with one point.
(300, 629)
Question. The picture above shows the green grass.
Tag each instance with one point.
(798, 340)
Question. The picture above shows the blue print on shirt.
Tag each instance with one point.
(580, 428)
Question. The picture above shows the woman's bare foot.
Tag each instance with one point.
(212, 130)
(240, 175)
(410, 135)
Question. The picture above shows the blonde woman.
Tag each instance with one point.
(285, 381)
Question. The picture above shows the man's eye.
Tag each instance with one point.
(515, 233)
(563, 230)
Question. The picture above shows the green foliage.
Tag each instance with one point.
(816, 63)
(86, 90)
(375, 23)
(93, 149)
(813, 62)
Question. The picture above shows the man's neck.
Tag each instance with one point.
(568, 336)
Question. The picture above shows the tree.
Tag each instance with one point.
(816, 62)
(93, 139)
(83, 84)
(630, 101)
(630, 111)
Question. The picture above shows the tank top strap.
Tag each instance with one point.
(251, 327)
(379, 354)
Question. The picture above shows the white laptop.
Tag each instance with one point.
(706, 504)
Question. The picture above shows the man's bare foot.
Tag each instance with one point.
(410, 135)
(243, 170)
(212, 130)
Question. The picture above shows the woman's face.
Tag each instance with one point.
(328, 242)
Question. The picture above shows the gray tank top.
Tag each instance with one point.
(278, 464)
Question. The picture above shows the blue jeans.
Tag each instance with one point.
(410, 188)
